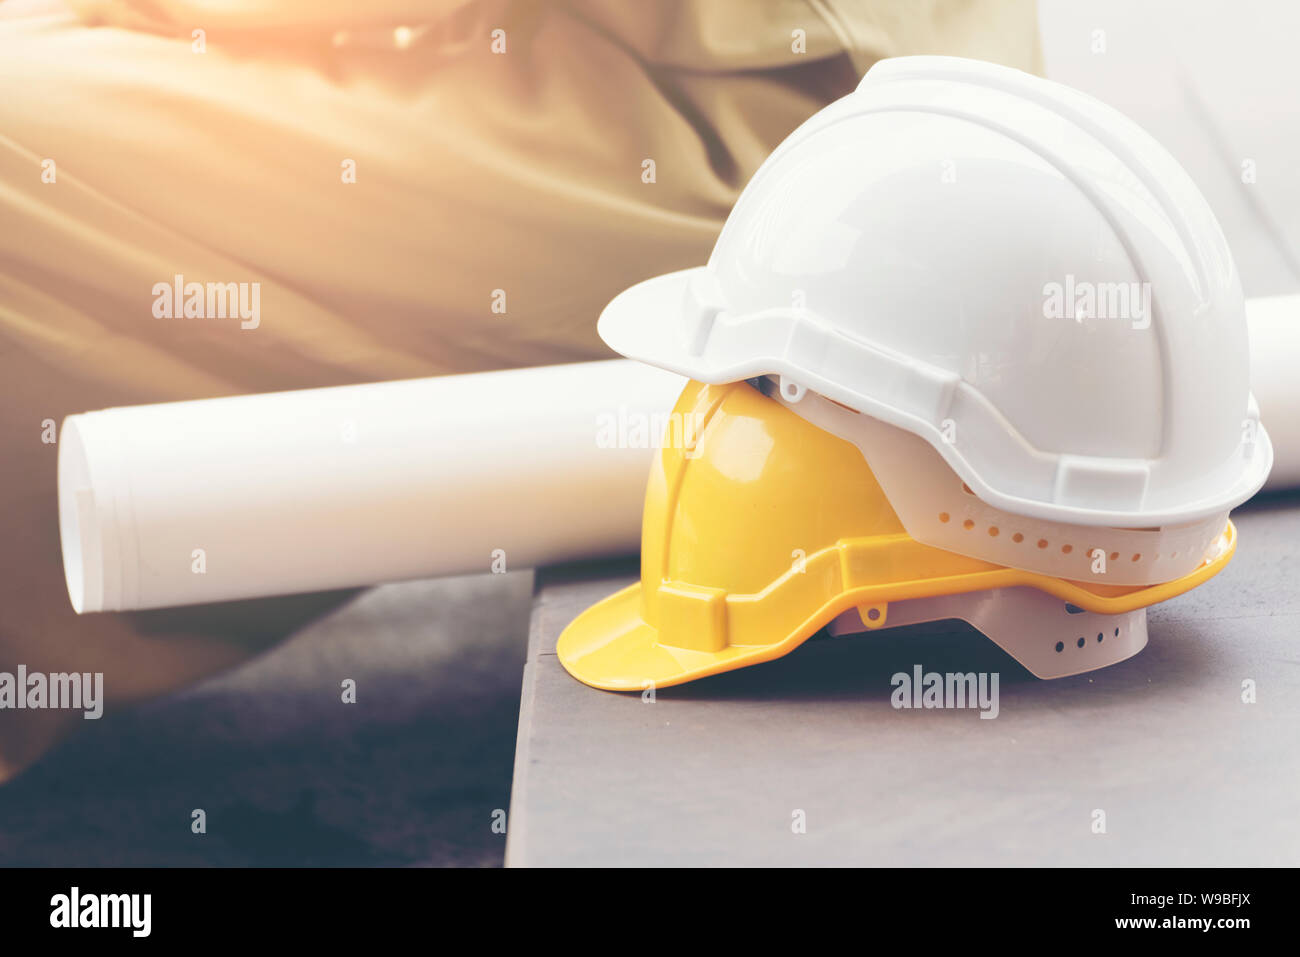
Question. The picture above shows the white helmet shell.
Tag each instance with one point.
(1007, 268)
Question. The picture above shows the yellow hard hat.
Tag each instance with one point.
(760, 529)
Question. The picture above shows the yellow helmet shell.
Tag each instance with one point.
(759, 530)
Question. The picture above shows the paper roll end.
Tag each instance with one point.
(82, 556)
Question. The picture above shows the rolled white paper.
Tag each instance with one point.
(1274, 326)
(187, 502)
(258, 495)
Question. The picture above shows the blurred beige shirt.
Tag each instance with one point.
(497, 148)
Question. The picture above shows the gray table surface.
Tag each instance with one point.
(712, 772)
(1186, 773)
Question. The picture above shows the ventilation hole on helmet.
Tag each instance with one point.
(1066, 549)
(1114, 556)
(993, 530)
(1081, 642)
(1100, 636)
(968, 524)
(1137, 557)
(1073, 609)
(1017, 538)
(1060, 646)
(944, 516)
(1116, 632)
(1042, 543)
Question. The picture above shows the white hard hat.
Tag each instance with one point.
(1004, 267)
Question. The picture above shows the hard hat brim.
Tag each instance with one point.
(644, 322)
(611, 647)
